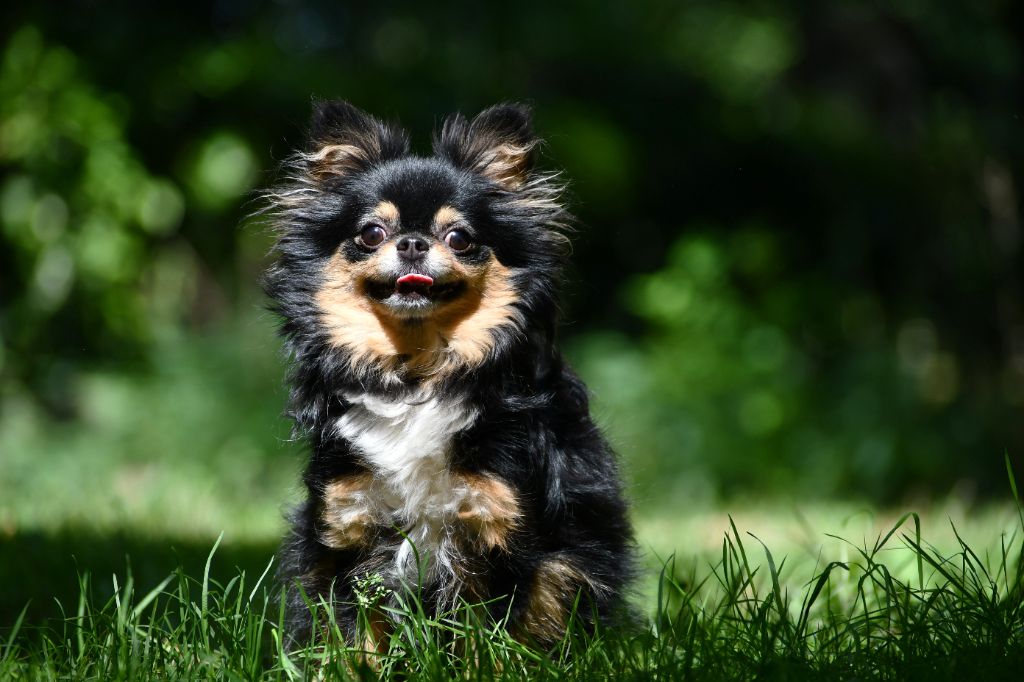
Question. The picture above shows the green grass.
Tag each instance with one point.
(157, 465)
(959, 615)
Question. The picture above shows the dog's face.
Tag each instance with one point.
(418, 265)
(414, 271)
(415, 245)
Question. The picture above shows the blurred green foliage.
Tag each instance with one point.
(800, 262)
(721, 387)
(80, 213)
(161, 450)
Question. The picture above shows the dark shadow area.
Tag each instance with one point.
(43, 570)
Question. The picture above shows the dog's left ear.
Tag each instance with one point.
(344, 140)
(497, 144)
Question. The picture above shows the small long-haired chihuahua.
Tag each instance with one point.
(451, 448)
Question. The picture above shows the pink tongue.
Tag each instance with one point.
(415, 279)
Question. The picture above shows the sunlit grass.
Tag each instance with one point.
(158, 465)
(807, 533)
(959, 615)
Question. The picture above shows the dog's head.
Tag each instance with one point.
(412, 266)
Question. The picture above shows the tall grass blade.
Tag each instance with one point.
(12, 636)
(150, 596)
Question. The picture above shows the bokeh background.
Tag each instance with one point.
(798, 276)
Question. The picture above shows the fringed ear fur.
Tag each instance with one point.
(497, 144)
(344, 139)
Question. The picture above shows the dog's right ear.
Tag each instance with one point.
(344, 139)
(497, 144)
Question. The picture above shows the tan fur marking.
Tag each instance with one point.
(554, 590)
(335, 159)
(377, 632)
(447, 215)
(490, 510)
(354, 324)
(468, 327)
(458, 335)
(346, 517)
(387, 212)
(506, 164)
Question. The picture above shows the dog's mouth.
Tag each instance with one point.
(413, 291)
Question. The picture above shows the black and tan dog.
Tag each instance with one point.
(452, 449)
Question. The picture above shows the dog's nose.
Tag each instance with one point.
(412, 248)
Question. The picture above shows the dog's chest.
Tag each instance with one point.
(407, 445)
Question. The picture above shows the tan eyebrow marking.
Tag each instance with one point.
(446, 215)
(386, 210)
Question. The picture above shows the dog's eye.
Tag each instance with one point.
(373, 235)
(457, 240)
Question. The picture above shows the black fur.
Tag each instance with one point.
(534, 431)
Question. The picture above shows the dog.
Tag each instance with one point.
(452, 449)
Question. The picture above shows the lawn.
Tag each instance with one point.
(108, 522)
(890, 606)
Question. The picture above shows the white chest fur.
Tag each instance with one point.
(407, 444)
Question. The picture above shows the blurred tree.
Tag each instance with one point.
(802, 255)
(722, 395)
(81, 220)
